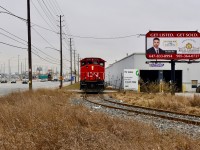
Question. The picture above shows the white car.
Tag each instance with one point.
(3, 80)
(25, 81)
(13, 81)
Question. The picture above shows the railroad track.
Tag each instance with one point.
(100, 100)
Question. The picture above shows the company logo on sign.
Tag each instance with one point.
(170, 43)
(190, 47)
(156, 65)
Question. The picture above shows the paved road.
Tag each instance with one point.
(6, 88)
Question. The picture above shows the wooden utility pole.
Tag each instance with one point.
(78, 68)
(18, 65)
(29, 45)
(61, 82)
(75, 65)
(70, 41)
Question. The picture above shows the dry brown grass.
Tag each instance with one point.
(73, 86)
(162, 101)
(45, 119)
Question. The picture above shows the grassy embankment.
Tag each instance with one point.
(189, 105)
(45, 119)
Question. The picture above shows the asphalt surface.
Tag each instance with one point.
(6, 88)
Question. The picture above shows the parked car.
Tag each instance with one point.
(43, 80)
(25, 81)
(13, 81)
(3, 80)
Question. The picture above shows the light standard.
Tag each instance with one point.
(60, 64)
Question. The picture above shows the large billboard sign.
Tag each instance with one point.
(131, 77)
(173, 45)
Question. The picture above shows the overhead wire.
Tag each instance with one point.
(33, 24)
(49, 10)
(52, 7)
(42, 17)
(26, 49)
(34, 47)
(45, 12)
(43, 38)
(12, 45)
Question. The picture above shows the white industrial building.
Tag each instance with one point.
(187, 76)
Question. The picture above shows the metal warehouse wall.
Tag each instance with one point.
(137, 61)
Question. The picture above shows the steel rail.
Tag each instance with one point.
(152, 109)
(187, 121)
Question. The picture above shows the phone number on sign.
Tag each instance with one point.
(173, 56)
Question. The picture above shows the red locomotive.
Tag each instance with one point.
(92, 74)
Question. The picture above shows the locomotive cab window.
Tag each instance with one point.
(82, 63)
(95, 62)
(101, 64)
(89, 62)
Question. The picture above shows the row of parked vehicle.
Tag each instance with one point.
(24, 81)
(5, 81)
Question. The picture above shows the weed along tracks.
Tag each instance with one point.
(162, 119)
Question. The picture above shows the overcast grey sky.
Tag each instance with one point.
(90, 18)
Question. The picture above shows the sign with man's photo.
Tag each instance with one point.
(173, 45)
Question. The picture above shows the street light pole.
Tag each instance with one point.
(29, 45)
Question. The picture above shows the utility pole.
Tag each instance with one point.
(21, 68)
(18, 64)
(61, 84)
(25, 66)
(9, 68)
(4, 70)
(29, 45)
(1, 68)
(75, 65)
(70, 41)
(78, 67)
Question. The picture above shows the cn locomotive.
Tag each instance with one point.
(92, 74)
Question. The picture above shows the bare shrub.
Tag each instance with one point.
(162, 101)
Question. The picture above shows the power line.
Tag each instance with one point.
(52, 7)
(12, 45)
(12, 38)
(48, 10)
(41, 6)
(44, 59)
(35, 48)
(104, 38)
(5, 9)
(57, 7)
(43, 38)
(26, 49)
(41, 15)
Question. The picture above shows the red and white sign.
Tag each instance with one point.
(173, 45)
